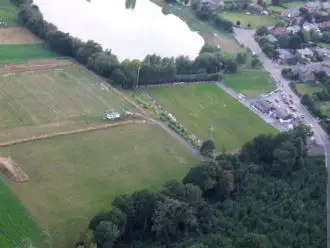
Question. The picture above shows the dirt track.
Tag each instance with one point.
(36, 65)
(12, 170)
(16, 36)
(76, 131)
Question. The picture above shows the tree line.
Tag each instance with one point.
(270, 195)
(209, 65)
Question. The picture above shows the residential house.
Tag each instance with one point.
(310, 26)
(255, 8)
(292, 13)
(307, 72)
(304, 73)
(305, 54)
(293, 29)
(326, 70)
(324, 25)
(323, 52)
(279, 31)
(213, 4)
(285, 56)
(271, 38)
(318, 5)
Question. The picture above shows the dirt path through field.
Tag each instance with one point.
(35, 65)
(76, 131)
(17, 36)
(12, 170)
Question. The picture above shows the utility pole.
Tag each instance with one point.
(138, 77)
(137, 81)
(211, 129)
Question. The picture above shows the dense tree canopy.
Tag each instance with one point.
(271, 195)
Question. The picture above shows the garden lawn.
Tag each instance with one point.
(8, 13)
(15, 223)
(294, 4)
(254, 20)
(14, 54)
(72, 178)
(251, 83)
(209, 112)
(308, 88)
(324, 107)
(276, 8)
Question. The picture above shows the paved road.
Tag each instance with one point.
(246, 37)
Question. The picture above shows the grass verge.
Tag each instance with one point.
(307, 88)
(251, 83)
(254, 20)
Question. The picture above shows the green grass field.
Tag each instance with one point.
(14, 54)
(251, 83)
(15, 223)
(74, 177)
(201, 107)
(69, 97)
(307, 88)
(8, 13)
(295, 4)
(254, 20)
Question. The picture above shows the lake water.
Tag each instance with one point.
(129, 31)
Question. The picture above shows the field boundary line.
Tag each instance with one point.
(36, 65)
(72, 132)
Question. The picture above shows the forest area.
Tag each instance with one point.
(270, 195)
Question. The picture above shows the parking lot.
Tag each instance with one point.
(280, 108)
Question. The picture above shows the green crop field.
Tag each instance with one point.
(254, 20)
(202, 108)
(251, 83)
(59, 98)
(13, 54)
(8, 13)
(307, 88)
(72, 178)
(15, 223)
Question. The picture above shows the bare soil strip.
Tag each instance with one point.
(12, 170)
(17, 36)
(76, 131)
(36, 65)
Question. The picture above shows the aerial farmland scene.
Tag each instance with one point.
(164, 124)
